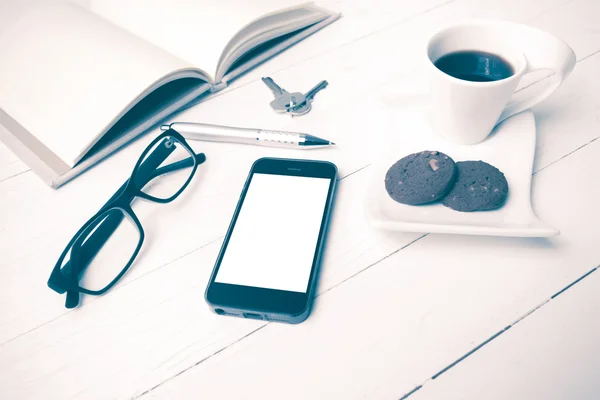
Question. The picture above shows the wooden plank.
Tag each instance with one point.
(554, 354)
(10, 165)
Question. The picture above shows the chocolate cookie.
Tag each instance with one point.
(479, 186)
(420, 178)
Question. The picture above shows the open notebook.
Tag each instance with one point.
(76, 84)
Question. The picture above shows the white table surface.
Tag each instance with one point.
(392, 311)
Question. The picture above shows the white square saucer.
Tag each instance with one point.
(510, 148)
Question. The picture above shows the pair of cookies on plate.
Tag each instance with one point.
(430, 176)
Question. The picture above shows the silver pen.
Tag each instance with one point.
(219, 133)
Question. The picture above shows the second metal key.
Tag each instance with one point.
(306, 106)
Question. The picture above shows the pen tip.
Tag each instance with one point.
(332, 143)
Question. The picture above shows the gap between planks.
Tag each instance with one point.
(500, 332)
(115, 289)
(200, 362)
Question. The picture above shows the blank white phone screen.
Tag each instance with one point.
(273, 243)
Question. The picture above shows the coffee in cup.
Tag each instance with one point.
(475, 66)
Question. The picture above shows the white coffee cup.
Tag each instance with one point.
(465, 112)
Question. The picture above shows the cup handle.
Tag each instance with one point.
(542, 51)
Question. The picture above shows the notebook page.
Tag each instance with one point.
(66, 74)
(194, 30)
(265, 29)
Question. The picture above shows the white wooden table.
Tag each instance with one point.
(394, 312)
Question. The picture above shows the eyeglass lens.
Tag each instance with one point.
(103, 250)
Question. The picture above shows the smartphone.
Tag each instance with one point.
(268, 264)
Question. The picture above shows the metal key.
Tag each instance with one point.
(303, 108)
(284, 101)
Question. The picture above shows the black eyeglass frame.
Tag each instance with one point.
(63, 277)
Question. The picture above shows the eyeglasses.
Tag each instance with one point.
(105, 246)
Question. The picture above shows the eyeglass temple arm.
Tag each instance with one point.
(85, 252)
(176, 166)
